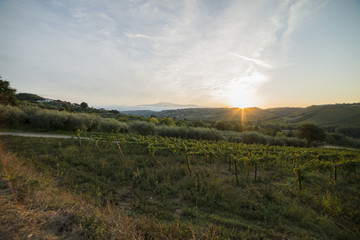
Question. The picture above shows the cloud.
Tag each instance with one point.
(135, 52)
(256, 61)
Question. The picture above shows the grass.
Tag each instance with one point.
(327, 115)
(92, 194)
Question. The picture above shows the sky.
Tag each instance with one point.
(236, 53)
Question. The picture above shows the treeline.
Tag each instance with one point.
(52, 120)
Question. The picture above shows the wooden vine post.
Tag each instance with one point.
(120, 150)
(299, 179)
(236, 172)
(97, 144)
(255, 170)
(78, 134)
(188, 163)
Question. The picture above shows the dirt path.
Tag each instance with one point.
(337, 147)
(43, 135)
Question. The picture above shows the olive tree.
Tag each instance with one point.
(7, 94)
(310, 132)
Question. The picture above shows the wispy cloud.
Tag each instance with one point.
(134, 52)
(256, 61)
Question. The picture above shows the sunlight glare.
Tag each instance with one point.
(238, 96)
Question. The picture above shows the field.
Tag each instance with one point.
(135, 187)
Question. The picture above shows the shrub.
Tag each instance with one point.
(349, 131)
(49, 119)
(255, 137)
(289, 141)
(166, 131)
(82, 121)
(204, 134)
(111, 125)
(142, 128)
(192, 133)
(167, 121)
(154, 120)
(12, 115)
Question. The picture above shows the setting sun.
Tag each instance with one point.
(238, 96)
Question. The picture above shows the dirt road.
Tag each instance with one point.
(43, 135)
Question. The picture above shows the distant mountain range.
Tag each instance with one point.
(157, 107)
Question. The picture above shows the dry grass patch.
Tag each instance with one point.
(46, 211)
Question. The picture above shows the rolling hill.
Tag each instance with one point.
(344, 115)
(323, 115)
(327, 115)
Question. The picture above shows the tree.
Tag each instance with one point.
(7, 94)
(167, 121)
(310, 132)
(223, 125)
(29, 97)
(84, 105)
(154, 120)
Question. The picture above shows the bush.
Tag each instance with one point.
(12, 115)
(251, 137)
(255, 137)
(56, 120)
(166, 131)
(142, 128)
(349, 131)
(49, 119)
(342, 140)
(289, 141)
(204, 134)
(167, 121)
(82, 121)
(192, 133)
(30, 110)
(310, 132)
(111, 125)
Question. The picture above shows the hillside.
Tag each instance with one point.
(323, 115)
(327, 115)
(210, 114)
(339, 115)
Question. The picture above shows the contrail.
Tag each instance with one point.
(256, 61)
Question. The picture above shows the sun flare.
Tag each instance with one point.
(238, 96)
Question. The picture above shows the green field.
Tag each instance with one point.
(169, 188)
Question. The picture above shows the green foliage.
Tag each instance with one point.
(28, 114)
(349, 131)
(142, 128)
(311, 132)
(29, 97)
(167, 121)
(342, 140)
(161, 188)
(190, 133)
(10, 115)
(154, 120)
(223, 125)
(111, 125)
(84, 105)
(7, 94)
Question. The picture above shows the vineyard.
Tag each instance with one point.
(204, 189)
(241, 157)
